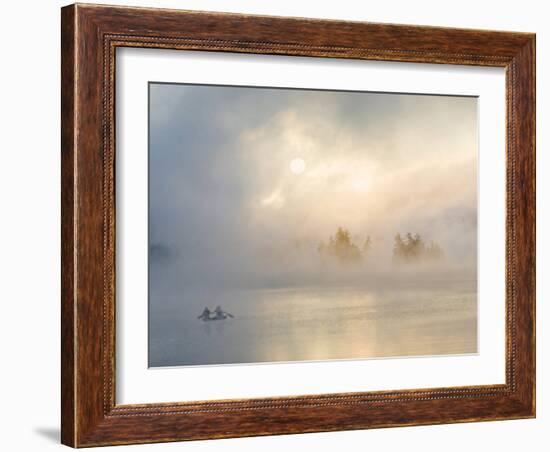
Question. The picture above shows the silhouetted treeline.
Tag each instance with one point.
(341, 246)
(406, 250)
(410, 249)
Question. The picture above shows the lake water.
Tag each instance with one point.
(303, 324)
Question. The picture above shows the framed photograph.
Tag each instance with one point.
(281, 225)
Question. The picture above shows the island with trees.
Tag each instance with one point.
(407, 248)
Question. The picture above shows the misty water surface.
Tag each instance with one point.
(300, 324)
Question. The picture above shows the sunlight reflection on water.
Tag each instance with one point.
(300, 324)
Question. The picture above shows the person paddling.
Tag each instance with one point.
(205, 314)
(217, 314)
(221, 314)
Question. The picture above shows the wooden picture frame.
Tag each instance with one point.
(90, 35)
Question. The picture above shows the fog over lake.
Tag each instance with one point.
(325, 224)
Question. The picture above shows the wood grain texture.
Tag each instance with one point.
(90, 36)
(67, 224)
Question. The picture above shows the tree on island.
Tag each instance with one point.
(411, 249)
(341, 247)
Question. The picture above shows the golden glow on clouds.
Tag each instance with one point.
(274, 200)
(309, 177)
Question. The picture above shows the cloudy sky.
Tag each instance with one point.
(240, 178)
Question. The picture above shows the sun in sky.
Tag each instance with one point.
(297, 166)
